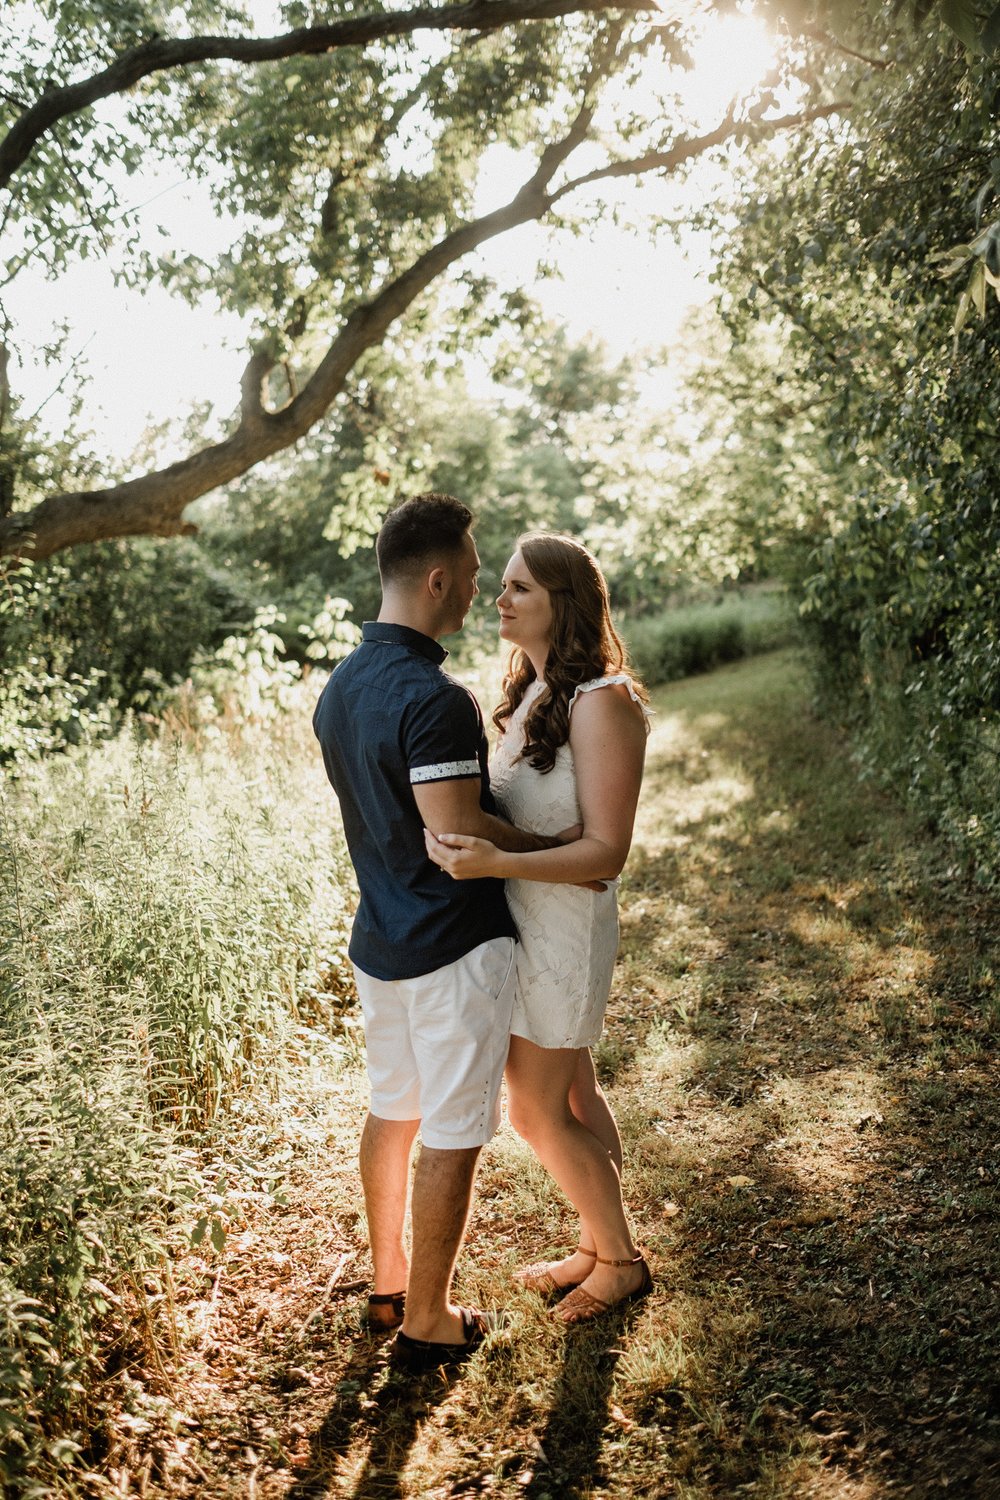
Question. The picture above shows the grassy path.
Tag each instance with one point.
(801, 1053)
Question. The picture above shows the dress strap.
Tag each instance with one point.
(618, 677)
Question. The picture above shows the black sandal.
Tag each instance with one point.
(418, 1356)
(385, 1321)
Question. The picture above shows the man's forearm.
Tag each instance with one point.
(514, 840)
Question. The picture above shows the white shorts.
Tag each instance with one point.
(437, 1045)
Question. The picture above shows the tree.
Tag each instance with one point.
(557, 440)
(347, 151)
(835, 253)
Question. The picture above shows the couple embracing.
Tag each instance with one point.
(487, 927)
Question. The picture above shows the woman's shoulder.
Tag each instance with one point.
(614, 679)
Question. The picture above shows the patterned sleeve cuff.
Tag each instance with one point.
(445, 770)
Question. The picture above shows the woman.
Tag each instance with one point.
(569, 754)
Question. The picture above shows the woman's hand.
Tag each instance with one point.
(464, 857)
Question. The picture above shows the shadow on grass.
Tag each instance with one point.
(376, 1407)
(570, 1444)
(826, 989)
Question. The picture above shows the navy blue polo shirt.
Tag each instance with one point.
(390, 717)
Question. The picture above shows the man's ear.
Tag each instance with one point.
(437, 582)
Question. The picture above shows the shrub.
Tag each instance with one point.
(698, 637)
(80, 644)
(901, 611)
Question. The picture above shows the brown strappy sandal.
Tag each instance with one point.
(385, 1311)
(539, 1277)
(584, 1306)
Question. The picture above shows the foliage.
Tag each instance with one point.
(699, 637)
(834, 254)
(739, 480)
(557, 441)
(80, 646)
(338, 210)
(173, 922)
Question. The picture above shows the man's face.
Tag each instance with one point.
(462, 586)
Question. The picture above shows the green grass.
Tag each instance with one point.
(801, 1050)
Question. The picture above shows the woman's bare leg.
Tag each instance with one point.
(590, 1106)
(539, 1083)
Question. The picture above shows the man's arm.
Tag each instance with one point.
(453, 807)
(608, 740)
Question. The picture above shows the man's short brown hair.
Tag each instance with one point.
(417, 530)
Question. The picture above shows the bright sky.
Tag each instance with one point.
(152, 358)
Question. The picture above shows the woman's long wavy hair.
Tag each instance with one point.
(584, 645)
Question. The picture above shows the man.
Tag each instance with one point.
(404, 747)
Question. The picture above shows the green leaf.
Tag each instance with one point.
(990, 40)
(963, 18)
(987, 246)
(218, 1235)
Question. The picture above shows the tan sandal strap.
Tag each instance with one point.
(582, 1250)
(633, 1260)
(582, 1302)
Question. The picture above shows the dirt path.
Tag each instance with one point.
(801, 1050)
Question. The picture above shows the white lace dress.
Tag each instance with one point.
(569, 936)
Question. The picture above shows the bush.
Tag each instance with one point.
(698, 637)
(82, 644)
(901, 610)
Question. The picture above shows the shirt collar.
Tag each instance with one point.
(401, 635)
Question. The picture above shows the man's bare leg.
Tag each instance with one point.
(442, 1195)
(385, 1178)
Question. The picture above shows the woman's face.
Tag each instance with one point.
(525, 608)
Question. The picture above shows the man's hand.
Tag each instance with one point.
(570, 835)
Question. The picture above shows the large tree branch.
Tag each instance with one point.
(153, 504)
(731, 130)
(162, 54)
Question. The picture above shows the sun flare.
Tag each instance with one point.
(731, 56)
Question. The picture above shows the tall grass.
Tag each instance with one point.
(691, 638)
(172, 920)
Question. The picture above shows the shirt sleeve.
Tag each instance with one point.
(443, 736)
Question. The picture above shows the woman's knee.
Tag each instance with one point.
(538, 1086)
(524, 1115)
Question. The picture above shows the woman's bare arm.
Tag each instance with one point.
(608, 740)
